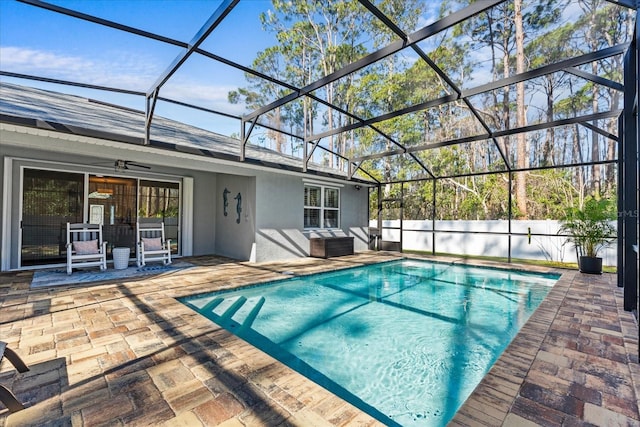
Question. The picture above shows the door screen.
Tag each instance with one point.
(160, 202)
(50, 199)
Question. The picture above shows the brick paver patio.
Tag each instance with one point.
(128, 353)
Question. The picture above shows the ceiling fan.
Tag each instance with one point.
(124, 164)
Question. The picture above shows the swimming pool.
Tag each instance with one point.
(406, 341)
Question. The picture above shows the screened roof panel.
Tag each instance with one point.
(444, 122)
(456, 61)
(342, 72)
(608, 68)
(281, 117)
(113, 58)
(396, 82)
(549, 98)
(325, 145)
(276, 141)
(281, 41)
(598, 25)
(563, 145)
(193, 82)
(199, 118)
(589, 90)
(551, 35)
(149, 15)
(364, 174)
(326, 160)
(240, 38)
(326, 118)
(465, 158)
(406, 130)
(462, 51)
(449, 121)
(397, 167)
(323, 157)
(416, 14)
(370, 141)
(322, 118)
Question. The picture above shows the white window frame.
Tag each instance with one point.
(322, 208)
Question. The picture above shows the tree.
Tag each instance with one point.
(550, 47)
(314, 40)
(261, 91)
(501, 30)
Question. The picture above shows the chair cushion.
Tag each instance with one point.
(152, 243)
(86, 247)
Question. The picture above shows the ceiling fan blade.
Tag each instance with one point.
(138, 165)
(124, 164)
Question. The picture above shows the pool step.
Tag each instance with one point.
(229, 312)
(248, 321)
(240, 310)
(211, 305)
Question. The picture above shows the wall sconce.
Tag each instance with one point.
(358, 187)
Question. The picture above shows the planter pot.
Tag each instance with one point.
(590, 265)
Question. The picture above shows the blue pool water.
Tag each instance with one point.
(406, 341)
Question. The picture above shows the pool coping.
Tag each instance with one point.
(153, 337)
(525, 385)
(494, 396)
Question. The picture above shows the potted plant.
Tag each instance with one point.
(590, 229)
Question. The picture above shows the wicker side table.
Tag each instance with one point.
(120, 258)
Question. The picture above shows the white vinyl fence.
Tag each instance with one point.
(466, 238)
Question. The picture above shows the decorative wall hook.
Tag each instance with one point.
(226, 202)
(238, 206)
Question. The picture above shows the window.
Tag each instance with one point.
(321, 207)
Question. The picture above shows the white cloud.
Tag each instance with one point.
(123, 69)
(35, 60)
(204, 95)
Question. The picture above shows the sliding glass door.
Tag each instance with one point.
(160, 202)
(112, 202)
(50, 199)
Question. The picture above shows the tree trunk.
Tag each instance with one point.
(523, 151)
(330, 125)
(577, 154)
(612, 128)
(547, 150)
(279, 137)
(595, 149)
(505, 96)
(596, 189)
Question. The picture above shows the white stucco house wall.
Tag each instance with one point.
(49, 134)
